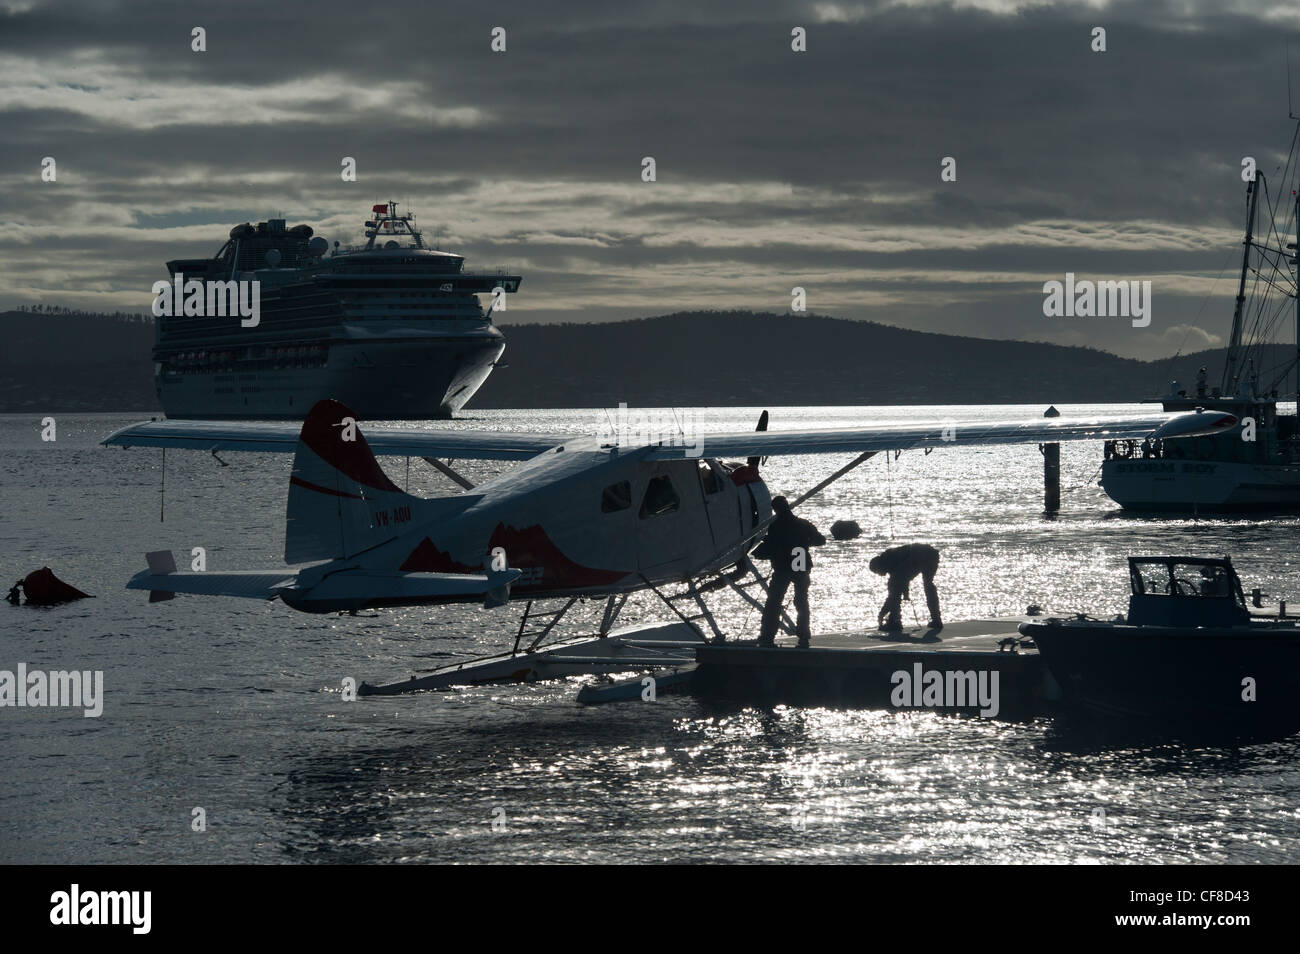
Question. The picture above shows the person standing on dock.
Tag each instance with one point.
(902, 565)
(786, 545)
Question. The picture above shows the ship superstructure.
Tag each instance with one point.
(392, 328)
(1257, 465)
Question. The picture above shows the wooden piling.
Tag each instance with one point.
(1051, 471)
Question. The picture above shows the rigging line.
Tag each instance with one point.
(681, 431)
(1089, 482)
(1274, 262)
(1276, 287)
(1187, 334)
(915, 618)
(889, 495)
(1269, 272)
(1289, 111)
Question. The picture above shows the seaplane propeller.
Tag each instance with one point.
(762, 426)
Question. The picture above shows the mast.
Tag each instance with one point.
(1297, 300)
(1230, 372)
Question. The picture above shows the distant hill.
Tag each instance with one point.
(75, 363)
(741, 358)
(89, 363)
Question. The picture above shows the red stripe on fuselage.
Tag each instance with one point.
(525, 549)
(323, 490)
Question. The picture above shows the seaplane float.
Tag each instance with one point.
(577, 518)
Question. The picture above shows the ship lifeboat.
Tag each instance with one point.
(242, 231)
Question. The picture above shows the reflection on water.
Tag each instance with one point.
(235, 706)
(680, 782)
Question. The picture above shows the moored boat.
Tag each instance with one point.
(1189, 654)
(1257, 465)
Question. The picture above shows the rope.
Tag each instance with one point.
(1091, 481)
(889, 495)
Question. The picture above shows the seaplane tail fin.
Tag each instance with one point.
(340, 500)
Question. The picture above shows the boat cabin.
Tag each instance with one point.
(1185, 591)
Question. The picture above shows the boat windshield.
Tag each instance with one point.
(1213, 579)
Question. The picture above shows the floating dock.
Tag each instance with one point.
(982, 667)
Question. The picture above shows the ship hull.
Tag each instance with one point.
(405, 379)
(1243, 680)
(1185, 486)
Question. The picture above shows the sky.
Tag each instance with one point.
(773, 168)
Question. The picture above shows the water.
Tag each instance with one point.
(235, 706)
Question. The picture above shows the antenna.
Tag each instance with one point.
(1289, 111)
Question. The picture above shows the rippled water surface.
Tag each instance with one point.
(235, 706)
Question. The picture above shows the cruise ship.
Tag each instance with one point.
(394, 329)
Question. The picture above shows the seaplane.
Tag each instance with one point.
(577, 518)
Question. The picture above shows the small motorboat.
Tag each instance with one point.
(1189, 654)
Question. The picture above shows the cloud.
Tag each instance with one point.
(775, 169)
(1184, 339)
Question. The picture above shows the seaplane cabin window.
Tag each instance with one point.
(709, 478)
(660, 497)
(616, 497)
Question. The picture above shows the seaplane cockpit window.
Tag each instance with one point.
(709, 478)
(616, 497)
(660, 497)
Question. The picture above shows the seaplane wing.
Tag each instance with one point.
(498, 445)
(383, 441)
(949, 434)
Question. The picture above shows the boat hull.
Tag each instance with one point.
(1174, 677)
(404, 379)
(1184, 486)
